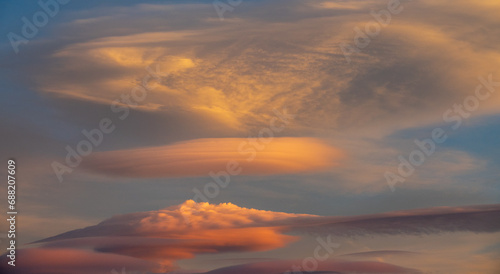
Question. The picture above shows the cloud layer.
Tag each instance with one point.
(157, 239)
(233, 71)
(219, 82)
(204, 156)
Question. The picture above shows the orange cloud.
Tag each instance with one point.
(202, 156)
(178, 232)
(155, 240)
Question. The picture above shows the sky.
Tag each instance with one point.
(250, 136)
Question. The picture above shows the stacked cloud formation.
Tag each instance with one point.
(155, 240)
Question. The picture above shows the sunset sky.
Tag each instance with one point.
(251, 136)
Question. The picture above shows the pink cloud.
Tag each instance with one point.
(330, 266)
(157, 239)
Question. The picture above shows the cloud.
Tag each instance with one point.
(232, 73)
(74, 261)
(223, 81)
(381, 253)
(327, 267)
(184, 221)
(162, 237)
(202, 156)
(479, 219)
(427, 58)
(439, 252)
(344, 5)
(179, 232)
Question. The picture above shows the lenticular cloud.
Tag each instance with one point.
(201, 156)
(155, 240)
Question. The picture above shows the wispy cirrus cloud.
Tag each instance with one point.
(233, 72)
